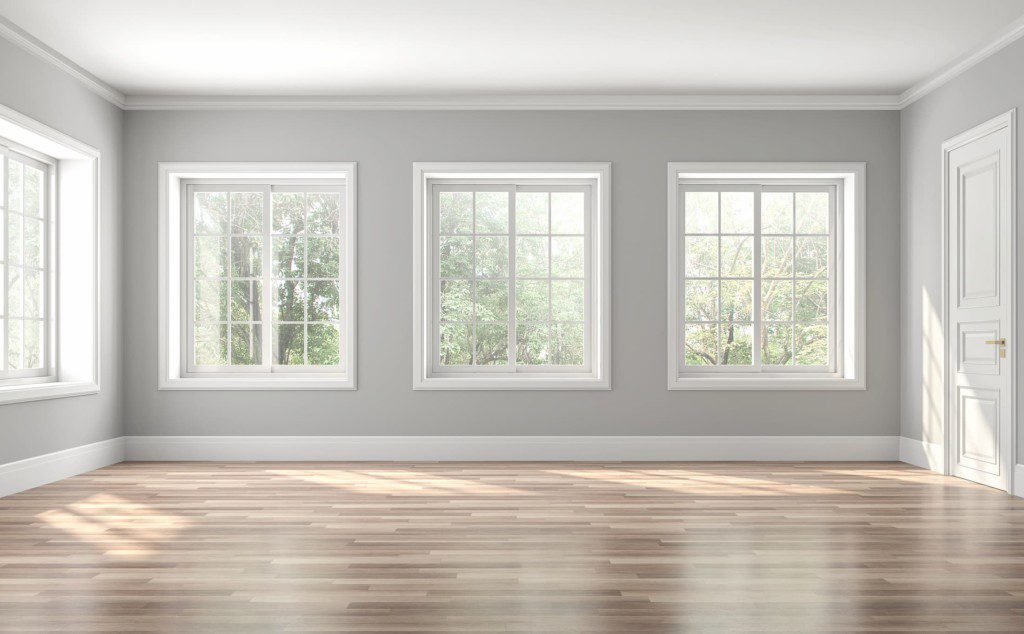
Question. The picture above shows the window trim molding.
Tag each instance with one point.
(171, 375)
(854, 273)
(599, 376)
(77, 289)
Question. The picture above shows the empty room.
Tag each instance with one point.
(519, 316)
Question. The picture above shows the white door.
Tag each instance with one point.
(979, 198)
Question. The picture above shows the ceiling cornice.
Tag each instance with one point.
(25, 40)
(519, 102)
(1013, 32)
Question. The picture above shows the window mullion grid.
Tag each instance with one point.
(755, 311)
(513, 324)
(267, 284)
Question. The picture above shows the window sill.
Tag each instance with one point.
(45, 391)
(277, 382)
(503, 383)
(798, 382)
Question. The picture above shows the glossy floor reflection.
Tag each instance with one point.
(531, 547)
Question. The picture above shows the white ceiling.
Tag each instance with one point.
(488, 47)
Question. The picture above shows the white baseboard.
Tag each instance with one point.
(921, 453)
(479, 448)
(32, 472)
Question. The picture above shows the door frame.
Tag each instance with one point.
(1007, 121)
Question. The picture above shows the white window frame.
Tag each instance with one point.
(428, 178)
(72, 258)
(847, 314)
(175, 298)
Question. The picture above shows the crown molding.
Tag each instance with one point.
(1003, 38)
(20, 37)
(517, 102)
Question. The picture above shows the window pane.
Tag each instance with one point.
(456, 344)
(737, 256)
(777, 300)
(812, 344)
(289, 256)
(567, 257)
(15, 359)
(701, 257)
(567, 344)
(776, 257)
(737, 300)
(246, 344)
(324, 213)
(289, 300)
(15, 171)
(532, 300)
(812, 212)
(246, 300)
(736, 347)
(14, 290)
(14, 225)
(322, 256)
(777, 344)
(33, 202)
(532, 344)
(531, 212)
(812, 256)
(812, 300)
(701, 300)
(777, 212)
(492, 300)
(492, 212)
(211, 256)
(247, 256)
(211, 300)
(532, 257)
(210, 213)
(701, 344)
(33, 345)
(33, 305)
(456, 212)
(567, 300)
(701, 212)
(324, 301)
(288, 344)
(33, 242)
(567, 212)
(34, 188)
(323, 344)
(737, 212)
(211, 344)
(456, 300)
(456, 256)
(288, 212)
(492, 256)
(491, 344)
(246, 212)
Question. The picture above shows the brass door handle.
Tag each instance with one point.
(997, 342)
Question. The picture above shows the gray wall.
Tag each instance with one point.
(385, 144)
(41, 91)
(989, 89)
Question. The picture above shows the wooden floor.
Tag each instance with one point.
(531, 547)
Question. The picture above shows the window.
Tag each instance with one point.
(760, 283)
(26, 311)
(266, 290)
(49, 229)
(513, 277)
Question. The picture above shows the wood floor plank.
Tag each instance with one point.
(511, 547)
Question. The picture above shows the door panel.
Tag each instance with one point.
(979, 194)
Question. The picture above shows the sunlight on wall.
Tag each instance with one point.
(932, 389)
